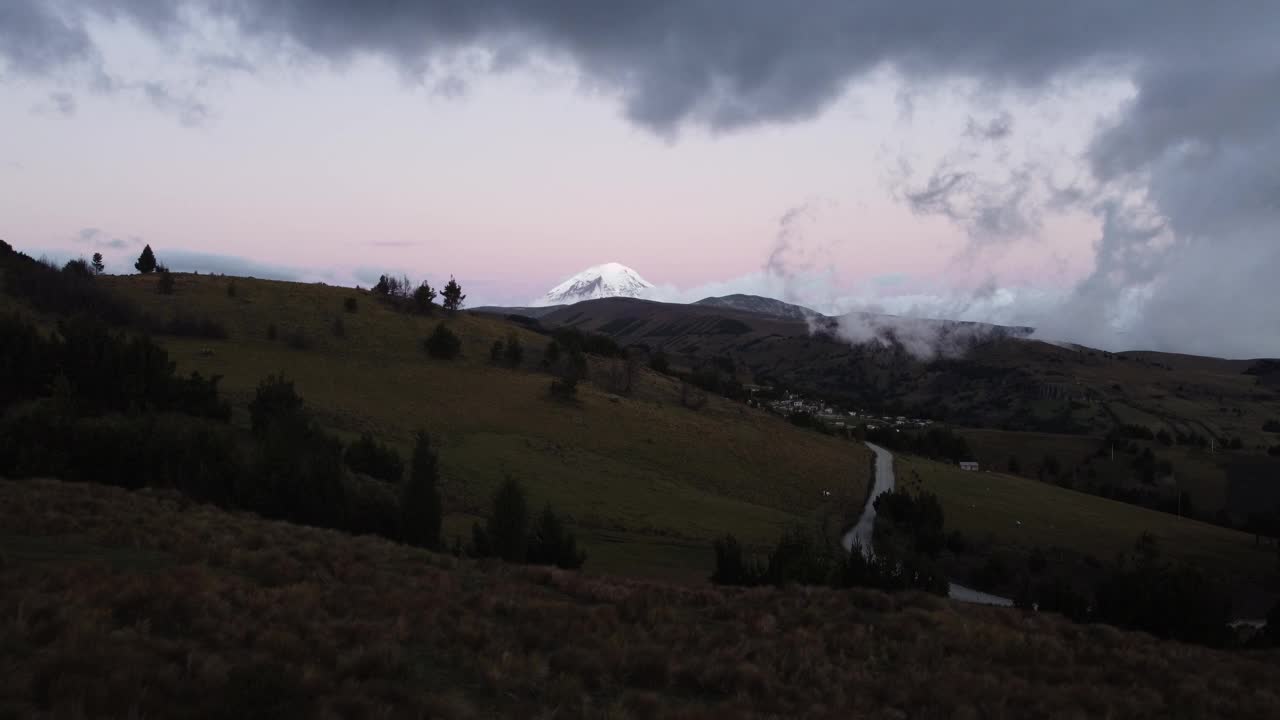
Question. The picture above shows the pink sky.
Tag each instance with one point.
(521, 181)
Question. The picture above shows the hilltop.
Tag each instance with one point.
(646, 481)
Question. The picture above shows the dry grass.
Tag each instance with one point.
(126, 604)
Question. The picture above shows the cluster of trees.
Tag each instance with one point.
(92, 405)
(570, 340)
(402, 293)
(938, 443)
(94, 370)
(509, 353)
(70, 290)
(566, 359)
(512, 535)
(908, 540)
(1140, 591)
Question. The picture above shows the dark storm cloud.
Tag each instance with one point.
(1201, 138)
(36, 39)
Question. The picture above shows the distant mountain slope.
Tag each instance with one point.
(600, 281)
(761, 305)
(985, 375)
(533, 312)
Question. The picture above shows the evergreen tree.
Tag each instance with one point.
(508, 530)
(420, 504)
(98, 266)
(424, 298)
(146, 261)
(453, 296)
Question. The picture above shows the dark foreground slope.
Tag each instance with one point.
(128, 604)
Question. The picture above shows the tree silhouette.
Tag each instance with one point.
(146, 261)
(420, 505)
(453, 296)
(98, 266)
(424, 298)
(508, 530)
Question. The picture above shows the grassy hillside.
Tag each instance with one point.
(132, 604)
(1202, 474)
(648, 481)
(1018, 514)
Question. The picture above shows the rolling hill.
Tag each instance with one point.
(999, 381)
(647, 481)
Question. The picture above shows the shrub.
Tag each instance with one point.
(564, 388)
(165, 283)
(297, 339)
(349, 304)
(231, 289)
(551, 544)
(731, 566)
(275, 401)
(513, 353)
(78, 268)
(658, 362)
(495, 352)
(338, 328)
(442, 343)
(372, 458)
(551, 355)
(798, 558)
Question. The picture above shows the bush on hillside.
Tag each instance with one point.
(551, 544)
(573, 339)
(275, 401)
(375, 459)
(513, 351)
(732, 566)
(442, 343)
(349, 304)
(165, 283)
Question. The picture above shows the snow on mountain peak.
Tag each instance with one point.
(601, 281)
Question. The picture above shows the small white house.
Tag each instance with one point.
(971, 466)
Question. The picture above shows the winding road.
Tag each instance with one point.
(861, 533)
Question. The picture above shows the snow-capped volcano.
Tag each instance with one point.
(601, 281)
